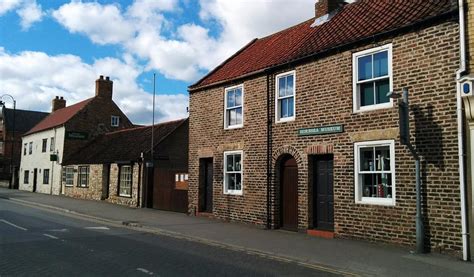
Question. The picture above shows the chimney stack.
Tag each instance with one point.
(58, 103)
(323, 7)
(103, 87)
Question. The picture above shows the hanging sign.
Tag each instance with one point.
(77, 135)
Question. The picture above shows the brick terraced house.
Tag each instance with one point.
(296, 131)
(113, 168)
(62, 133)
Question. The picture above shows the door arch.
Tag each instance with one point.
(289, 193)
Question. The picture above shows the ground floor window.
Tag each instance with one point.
(83, 177)
(26, 177)
(375, 172)
(46, 176)
(233, 181)
(125, 180)
(68, 176)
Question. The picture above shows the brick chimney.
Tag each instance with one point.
(323, 7)
(58, 103)
(103, 87)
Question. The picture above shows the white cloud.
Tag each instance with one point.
(8, 5)
(30, 12)
(143, 29)
(33, 85)
(101, 23)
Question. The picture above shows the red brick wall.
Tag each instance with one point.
(424, 61)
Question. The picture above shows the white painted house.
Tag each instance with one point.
(63, 133)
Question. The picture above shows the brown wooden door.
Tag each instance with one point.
(289, 194)
(206, 186)
(323, 196)
(165, 195)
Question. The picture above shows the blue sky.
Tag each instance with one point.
(54, 47)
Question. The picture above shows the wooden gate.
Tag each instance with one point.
(165, 194)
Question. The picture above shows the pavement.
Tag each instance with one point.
(337, 256)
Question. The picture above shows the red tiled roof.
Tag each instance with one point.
(356, 21)
(122, 145)
(59, 117)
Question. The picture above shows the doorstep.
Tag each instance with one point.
(321, 234)
(204, 214)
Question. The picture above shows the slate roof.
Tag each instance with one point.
(24, 120)
(59, 117)
(123, 145)
(354, 22)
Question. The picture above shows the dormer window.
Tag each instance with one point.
(115, 121)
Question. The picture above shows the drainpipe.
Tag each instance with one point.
(269, 130)
(462, 182)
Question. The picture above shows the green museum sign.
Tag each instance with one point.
(321, 130)
(77, 135)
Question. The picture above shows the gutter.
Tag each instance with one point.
(459, 111)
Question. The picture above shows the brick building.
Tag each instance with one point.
(14, 123)
(62, 133)
(117, 172)
(296, 130)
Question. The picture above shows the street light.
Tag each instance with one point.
(2, 103)
(404, 117)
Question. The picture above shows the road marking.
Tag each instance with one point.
(50, 236)
(97, 228)
(58, 230)
(14, 225)
(145, 271)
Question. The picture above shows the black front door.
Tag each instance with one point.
(323, 194)
(206, 186)
(35, 178)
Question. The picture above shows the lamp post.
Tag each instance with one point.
(403, 109)
(2, 103)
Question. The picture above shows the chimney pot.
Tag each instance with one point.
(107, 78)
(58, 103)
(103, 88)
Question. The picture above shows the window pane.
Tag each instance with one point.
(230, 99)
(367, 94)
(377, 185)
(289, 85)
(238, 97)
(232, 117)
(237, 162)
(281, 87)
(368, 185)
(366, 159)
(238, 181)
(290, 106)
(382, 156)
(382, 87)
(365, 68)
(381, 64)
(230, 162)
(284, 108)
(238, 116)
(230, 181)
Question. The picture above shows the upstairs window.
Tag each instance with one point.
(233, 114)
(115, 121)
(233, 172)
(285, 97)
(31, 148)
(51, 145)
(83, 177)
(372, 78)
(44, 146)
(25, 146)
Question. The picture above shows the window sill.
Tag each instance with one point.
(233, 127)
(286, 119)
(374, 108)
(83, 187)
(376, 201)
(236, 193)
(125, 196)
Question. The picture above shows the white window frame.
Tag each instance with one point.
(122, 181)
(277, 97)
(234, 192)
(359, 198)
(51, 145)
(115, 121)
(69, 176)
(85, 174)
(226, 126)
(355, 74)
